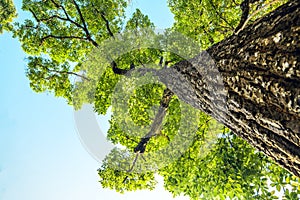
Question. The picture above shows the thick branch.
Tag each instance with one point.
(245, 12)
(120, 71)
(157, 123)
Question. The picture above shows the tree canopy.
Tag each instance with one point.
(7, 13)
(64, 39)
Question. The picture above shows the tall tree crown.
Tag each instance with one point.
(61, 34)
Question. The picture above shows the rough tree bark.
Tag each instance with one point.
(260, 71)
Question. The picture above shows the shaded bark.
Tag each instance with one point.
(259, 69)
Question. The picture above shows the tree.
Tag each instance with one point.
(7, 13)
(253, 61)
(262, 83)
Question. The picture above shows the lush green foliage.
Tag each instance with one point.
(205, 162)
(61, 34)
(210, 21)
(7, 13)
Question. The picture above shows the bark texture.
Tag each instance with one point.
(254, 88)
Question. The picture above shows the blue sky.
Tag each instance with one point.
(41, 156)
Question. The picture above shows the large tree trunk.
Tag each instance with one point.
(260, 69)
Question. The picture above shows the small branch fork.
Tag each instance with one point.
(82, 26)
(66, 18)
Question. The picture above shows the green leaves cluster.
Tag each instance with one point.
(46, 74)
(7, 13)
(63, 33)
(112, 177)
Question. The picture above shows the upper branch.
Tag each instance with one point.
(88, 35)
(68, 18)
(107, 25)
(102, 14)
(220, 14)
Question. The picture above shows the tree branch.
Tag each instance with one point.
(88, 35)
(79, 75)
(133, 163)
(220, 15)
(34, 15)
(243, 22)
(61, 18)
(68, 19)
(107, 25)
(132, 166)
(53, 17)
(245, 7)
(161, 60)
(67, 15)
(120, 71)
(62, 72)
(157, 123)
(70, 73)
